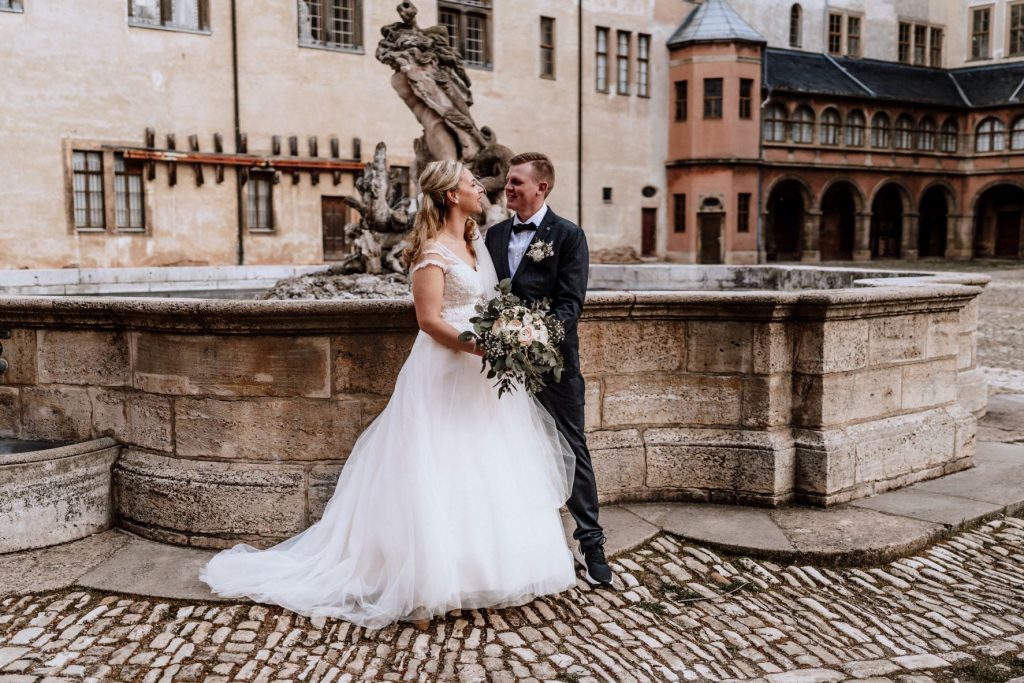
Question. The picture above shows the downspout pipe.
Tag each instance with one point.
(579, 114)
(239, 198)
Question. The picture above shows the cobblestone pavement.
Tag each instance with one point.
(682, 613)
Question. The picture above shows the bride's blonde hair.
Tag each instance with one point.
(437, 180)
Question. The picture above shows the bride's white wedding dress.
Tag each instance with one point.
(448, 500)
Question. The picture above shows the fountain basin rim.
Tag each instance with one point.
(60, 452)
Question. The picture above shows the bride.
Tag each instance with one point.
(450, 498)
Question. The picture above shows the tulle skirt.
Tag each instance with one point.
(449, 499)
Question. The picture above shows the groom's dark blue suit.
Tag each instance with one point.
(562, 279)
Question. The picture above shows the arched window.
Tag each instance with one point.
(949, 138)
(1017, 134)
(855, 124)
(802, 125)
(990, 136)
(926, 134)
(795, 25)
(903, 132)
(775, 123)
(831, 127)
(880, 130)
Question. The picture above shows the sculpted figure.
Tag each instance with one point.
(378, 237)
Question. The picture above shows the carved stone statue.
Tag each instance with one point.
(378, 238)
(430, 79)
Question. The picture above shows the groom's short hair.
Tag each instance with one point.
(542, 167)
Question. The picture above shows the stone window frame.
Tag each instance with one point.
(306, 39)
(256, 178)
(1011, 30)
(547, 47)
(643, 65)
(833, 37)
(916, 42)
(799, 121)
(1017, 134)
(714, 108)
(16, 6)
(109, 152)
(166, 18)
(623, 55)
(972, 33)
(775, 128)
(830, 127)
(949, 133)
(796, 25)
(926, 130)
(904, 42)
(743, 211)
(881, 130)
(746, 101)
(903, 132)
(682, 99)
(993, 130)
(936, 42)
(854, 49)
(856, 124)
(679, 212)
(463, 11)
(602, 34)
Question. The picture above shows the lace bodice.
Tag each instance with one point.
(463, 286)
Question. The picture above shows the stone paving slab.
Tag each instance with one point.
(57, 567)
(929, 506)
(725, 526)
(998, 478)
(143, 567)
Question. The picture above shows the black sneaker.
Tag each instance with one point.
(596, 569)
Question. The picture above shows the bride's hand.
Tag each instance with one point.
(478, 350)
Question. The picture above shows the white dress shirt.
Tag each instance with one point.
(519, 243)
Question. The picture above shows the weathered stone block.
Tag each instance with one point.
(846, 397)
(672, 399)
(79, 357)
(898, 338)
(267, 429)
(773, 349)
(55, 496)
(967, 354)
(592, 405)
(10, 412)
(767, 401)
(713, 346)
(232, 365)
(371, 407)
(368, 363)
(20, 354)
(830, 346)
(633, 346)
(322, 480)
(211, 498)
(898, 445)
(133, 417)
(826, 462)
(925, 385)
(943, 334)
(619, 462)
(969, 315)
(56, 413)
(972, 391)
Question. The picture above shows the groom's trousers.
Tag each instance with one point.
(565, 401)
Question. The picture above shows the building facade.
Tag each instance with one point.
(738, 131)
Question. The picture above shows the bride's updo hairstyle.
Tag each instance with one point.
(437, 180)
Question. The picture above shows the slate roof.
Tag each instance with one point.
(804, 72)
(714, 21)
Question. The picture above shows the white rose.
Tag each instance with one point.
(526, 335)
(514, 325)
(542, 335)
(527, 318)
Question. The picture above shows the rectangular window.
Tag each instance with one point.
(87, 175)
(468, 25)
(712, 98)
(601, 60)
(935, 46)
(189, 15)
(1017, 29)
(128, 194)
(622, 62)
(260, 213)
(11, 5)
(835, 33)
(547, 47)
(679, 212)
(920, 44)
(643, 65)
(904, 49)
(331, 23)
(746, 97)
(981, 23)
(743, 212)
(682, 99)
(853, 36)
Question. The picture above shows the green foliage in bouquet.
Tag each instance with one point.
(520, 342)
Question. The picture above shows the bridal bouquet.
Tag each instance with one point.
(520, 342)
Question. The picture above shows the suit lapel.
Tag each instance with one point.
(543, 232)
(499, 255)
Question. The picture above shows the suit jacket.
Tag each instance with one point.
(562, 278)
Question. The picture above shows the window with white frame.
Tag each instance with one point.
(855, 124)
(903, 132)
(802, 125)
(831, 126)
(130, 215)
(468, 23)
(601, 60)
(774, 123)
(547, 47)
(260, 203)
(1016, 46)
(189, 15)
(623, 39)
(880, 124)
(11, 5)
(1017, 134)
(949, 136)
(331, 23)
(981, 32)
(87, 190)
(990, 136)
(643, 65)
(926, 134)
(795, 25)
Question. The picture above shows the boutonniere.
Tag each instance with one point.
(540, 250)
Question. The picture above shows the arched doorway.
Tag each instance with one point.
(887, 222)
(933, 222)
(997, 222)
(786, 208)
(838, 222)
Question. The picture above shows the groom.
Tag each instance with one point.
(560, 277)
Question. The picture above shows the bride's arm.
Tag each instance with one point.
(428, 294)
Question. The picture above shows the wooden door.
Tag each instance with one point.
(335, 217)
(1008, 234)
(648, 227)
(711, 238)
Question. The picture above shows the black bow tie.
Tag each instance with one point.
(523, 227)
